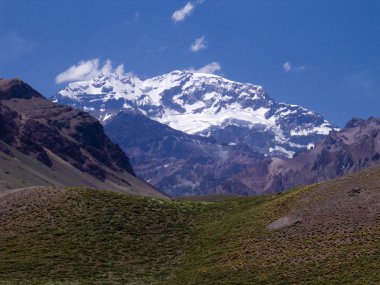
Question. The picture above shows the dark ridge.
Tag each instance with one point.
(16, 88)
(356, 122)
(72, 135)
(374, 119)
(353, 123)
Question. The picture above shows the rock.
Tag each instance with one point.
(283, 222)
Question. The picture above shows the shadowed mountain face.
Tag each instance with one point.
(16, 88)
(51, 134)
(183, 164)
(31, 123)
(354, 148)
(179, 163)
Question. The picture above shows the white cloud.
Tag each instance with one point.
(199, 44)
(288, 67)
(181, 14)
(88, 69)
(210, 68)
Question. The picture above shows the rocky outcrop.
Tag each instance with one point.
(34, 125)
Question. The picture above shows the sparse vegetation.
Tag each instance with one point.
(82, 236)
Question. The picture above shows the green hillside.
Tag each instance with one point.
(323, 234)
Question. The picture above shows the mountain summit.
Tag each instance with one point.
(205, 105)
(16, 88)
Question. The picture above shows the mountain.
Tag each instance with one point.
(176, 162)
(212, 135)
(187, 133)
(355, 147)
(43, 143)
(204, 105)
(327, 233)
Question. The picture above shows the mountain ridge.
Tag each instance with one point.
(353, 148)
(203, 104)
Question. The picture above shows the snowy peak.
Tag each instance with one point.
(203, 104)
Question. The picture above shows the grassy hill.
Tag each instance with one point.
(327, 233)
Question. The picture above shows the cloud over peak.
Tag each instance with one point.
(210, 68)
(199, 44)
(88, 69)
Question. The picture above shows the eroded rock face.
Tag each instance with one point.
(8, 124)
(33, 125)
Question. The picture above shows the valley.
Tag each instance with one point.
(327, 233)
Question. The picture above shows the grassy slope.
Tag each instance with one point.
(79, 236)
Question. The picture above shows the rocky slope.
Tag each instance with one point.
(205, 105)
(179, 163)
(62, 139)
(355, 147)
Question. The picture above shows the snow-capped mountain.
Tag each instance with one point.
(205, 105)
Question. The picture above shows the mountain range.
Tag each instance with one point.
(43, 143)
(205, 105)
(353, 148)
(194, 130)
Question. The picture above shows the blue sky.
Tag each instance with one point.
(320, 54)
